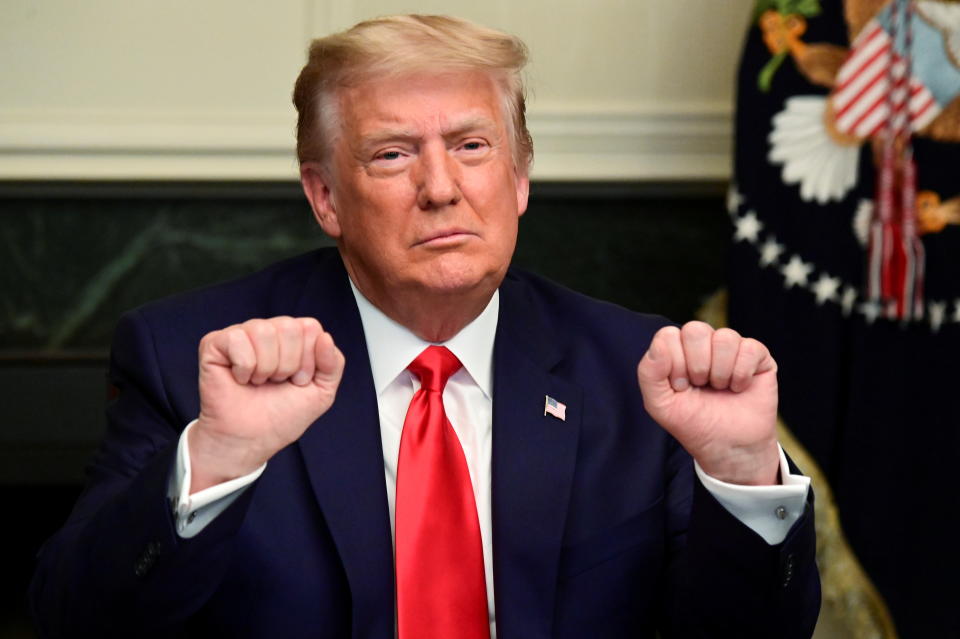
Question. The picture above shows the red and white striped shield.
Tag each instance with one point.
(873, 87)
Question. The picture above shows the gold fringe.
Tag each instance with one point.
(859, 12)
(819, 62)
(848, 594)
(946, 126)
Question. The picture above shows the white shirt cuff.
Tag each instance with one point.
(193, 512)
(770, 511)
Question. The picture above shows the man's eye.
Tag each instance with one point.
(473, 146)
(389, 155)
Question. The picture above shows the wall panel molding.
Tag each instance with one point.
(668, 142)
(673, 143)
(102, 90)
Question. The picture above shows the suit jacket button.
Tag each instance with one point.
(147, 559)
(787, 573)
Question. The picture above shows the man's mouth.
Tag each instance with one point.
(445, 238)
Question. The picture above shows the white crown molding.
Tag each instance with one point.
(649, 144)
(668, 142)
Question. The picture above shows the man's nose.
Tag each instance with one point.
(438, 178)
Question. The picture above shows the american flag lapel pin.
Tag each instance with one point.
(555, 408)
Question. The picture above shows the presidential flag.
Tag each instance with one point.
(869, 392)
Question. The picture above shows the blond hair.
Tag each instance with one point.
(401, 45)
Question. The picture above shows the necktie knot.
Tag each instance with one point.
(434, 366)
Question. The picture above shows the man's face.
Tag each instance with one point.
(421, 190)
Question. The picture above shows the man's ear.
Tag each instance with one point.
(523, 192)
(317, 186)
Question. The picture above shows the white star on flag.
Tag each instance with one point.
(849, 297)
(938, 312)
(555, 408)
(826, 289)
(734, 200)
(796, 272)
(770, 252)
(870, 311)
(748, 228)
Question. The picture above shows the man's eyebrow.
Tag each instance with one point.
(469, 124)
(380, 136)
(399, 134)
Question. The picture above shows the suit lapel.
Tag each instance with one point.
(344, 459)
(532, 467)
(532, 463)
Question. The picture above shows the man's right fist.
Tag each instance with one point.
(262, 383)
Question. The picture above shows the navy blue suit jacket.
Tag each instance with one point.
(600, 528)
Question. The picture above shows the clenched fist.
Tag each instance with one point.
(262, 383)
(716, 393)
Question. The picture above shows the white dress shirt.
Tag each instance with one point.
(468, 399)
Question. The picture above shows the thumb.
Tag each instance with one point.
(329, 362)
(653, 374)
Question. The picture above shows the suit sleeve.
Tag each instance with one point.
(117, 567)
(726, 581)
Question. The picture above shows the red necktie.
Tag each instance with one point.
(441, 587)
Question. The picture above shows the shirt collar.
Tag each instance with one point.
(391, 346)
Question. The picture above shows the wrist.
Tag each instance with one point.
(755, 465)
(216, 458)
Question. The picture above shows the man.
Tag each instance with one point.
(343, 476)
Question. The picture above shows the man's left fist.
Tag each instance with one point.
(716, 393)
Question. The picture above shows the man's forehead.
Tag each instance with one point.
(445, 98)
(444, 124)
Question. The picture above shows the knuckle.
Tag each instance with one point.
(667, 338)
(696, 330)
(309, 325)
(667, 333)
(207, 340)
(726, 336)
(751, 347)
(287, 327)
(259, 329)
(211, 339)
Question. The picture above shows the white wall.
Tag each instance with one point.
(200, 89)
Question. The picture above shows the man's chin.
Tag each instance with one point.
(465, 284)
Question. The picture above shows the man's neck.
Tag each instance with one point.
(439, 321)
(391, 347)
(432, 317)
